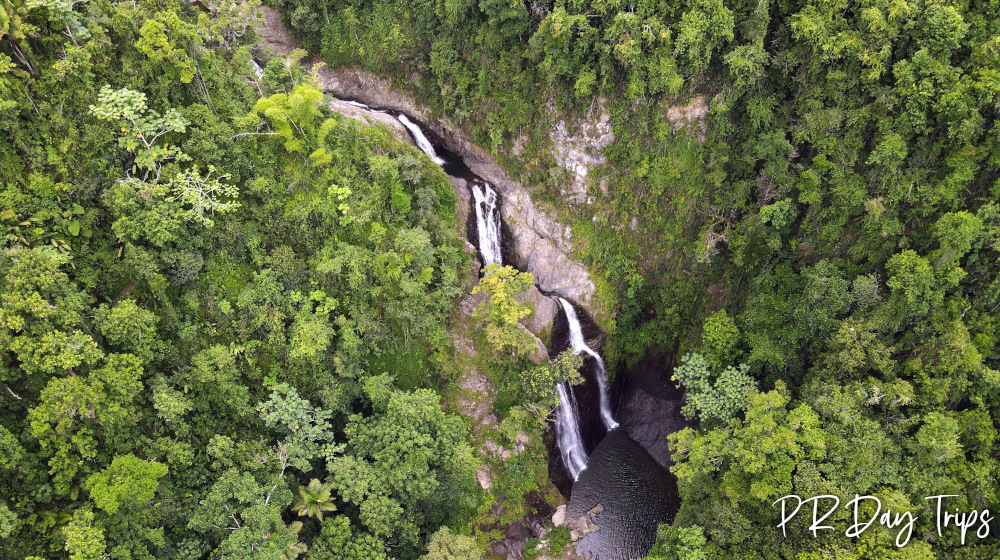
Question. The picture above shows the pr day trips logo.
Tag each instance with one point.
(961, 521)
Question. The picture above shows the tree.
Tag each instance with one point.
(713, 398)
(79, 418)
(314, 499)
(408, 467)
(128, 481)
(166, 38)
(445, 545)
(43, 310)
(13, 14)
(737, 470)
(204, 195)
(246, 514)
(338, 540)
(129, 328)
(914, 288)
(502, 313)
(703, 29)
(306, 428)
(142, 129)
(84, 541)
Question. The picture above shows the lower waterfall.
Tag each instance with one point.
(579, 345)
(568, 433)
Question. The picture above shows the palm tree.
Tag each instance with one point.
(12, 14)
(314, 499)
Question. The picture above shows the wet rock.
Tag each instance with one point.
(650, 408)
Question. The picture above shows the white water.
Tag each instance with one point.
(577, 343)
(568, 433)
(422, 142)
(487, 223)
(361, 106)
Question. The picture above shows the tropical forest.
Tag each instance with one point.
(499, 279)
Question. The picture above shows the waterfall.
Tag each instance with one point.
(418, 135)
(359, 105)
(578, 345)
(487, 222)
(568, 433)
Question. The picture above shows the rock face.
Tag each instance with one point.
(578, 151)
(541, 243)
(371, 118)
(691, 116)
(650, 407)
(540, 322)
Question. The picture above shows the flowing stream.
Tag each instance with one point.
(578, 345)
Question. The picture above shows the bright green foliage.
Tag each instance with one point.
(703, 29)
(129, 328)
(745, 465)
(248, 513)
(719, 336)
(8, 521)
(314, 499)
(293, 116)
(42, 312)
(143, 131)
(204, 196)
(83, 540)
(80, 419)
(128, 481)
(167, 264)
(307, 430)
(169, 40)
(445, 545)
(683, 543)
(12, 16)
(913, 284)
(502, 312)
(537, 384)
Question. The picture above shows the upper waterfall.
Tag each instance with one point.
(578, 345)
(418, 135)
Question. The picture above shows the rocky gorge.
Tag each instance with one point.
(534, 242)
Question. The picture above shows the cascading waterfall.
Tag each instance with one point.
(418, 135)
(578, 345)
(488, 223)
(568, 432)
(567, 426)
